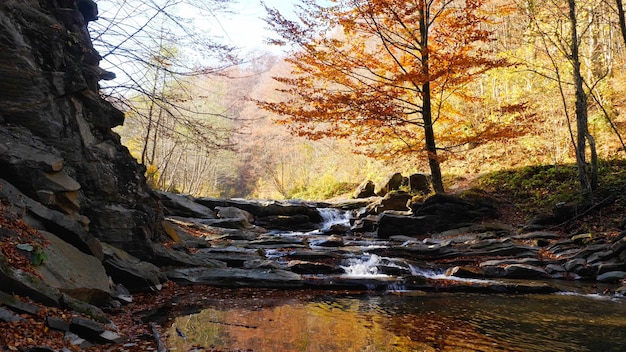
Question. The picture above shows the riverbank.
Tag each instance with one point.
(305, 250)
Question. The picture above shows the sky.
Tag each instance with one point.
(246, 28)
(243, 28)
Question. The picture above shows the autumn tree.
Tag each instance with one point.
(383, 73)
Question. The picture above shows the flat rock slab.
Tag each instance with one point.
(134, 274)
(181, 205)
(304, 267)
(17, 305)
(612, 276)
(307, 254)
(8, 317)
(483, 286)
(235, 277)
(86, 328)
(73, 272)
(537, 235)
(233, 256)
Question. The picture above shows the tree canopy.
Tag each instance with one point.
(384, 72)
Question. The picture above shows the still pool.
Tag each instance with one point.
(406, 322)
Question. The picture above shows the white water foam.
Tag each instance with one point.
(441, 275)
(332, 216)
(366, 266)
(595, 296)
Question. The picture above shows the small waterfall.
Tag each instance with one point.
(440, 274)
(428, 273)
(365, 266)
(332, 216)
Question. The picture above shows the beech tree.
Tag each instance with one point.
(383, 73)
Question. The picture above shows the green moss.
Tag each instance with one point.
(541, 187)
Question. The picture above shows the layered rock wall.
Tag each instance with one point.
(56, 144)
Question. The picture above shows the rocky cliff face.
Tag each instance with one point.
(61, 166)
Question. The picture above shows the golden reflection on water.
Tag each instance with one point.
(341, 325)
(411, 322)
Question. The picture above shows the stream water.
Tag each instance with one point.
(412, 322)
(400, 320)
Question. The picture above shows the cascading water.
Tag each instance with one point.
(332, 216)
(365, 266)
(440, 274)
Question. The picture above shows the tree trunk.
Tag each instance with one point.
(431, 147)
(582, 133)
(429, 133)
(622, 18)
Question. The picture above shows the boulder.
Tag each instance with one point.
(396, 201)
(555, 269)
(229, 223)
(457, 209)
(134, 274)
(337, 229)
(419, 183)
(234, 213)
(298, 222)
(392, 225)
(305, 267)
(72, 272)
(582, 238)
(365, 190)
(605, 267)
(438, 213)
(503, 262)
(575, 264)
(599, 256)
(86, 328)
(365, 224)
(619, 245)
(500, 247)
(391, 183)
(352, 204)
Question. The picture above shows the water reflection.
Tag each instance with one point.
(422, 322)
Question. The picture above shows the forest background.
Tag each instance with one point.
(192, 120)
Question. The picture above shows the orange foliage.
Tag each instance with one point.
(383, 72)
(13, 232)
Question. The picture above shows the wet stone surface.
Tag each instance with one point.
(476, 257)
